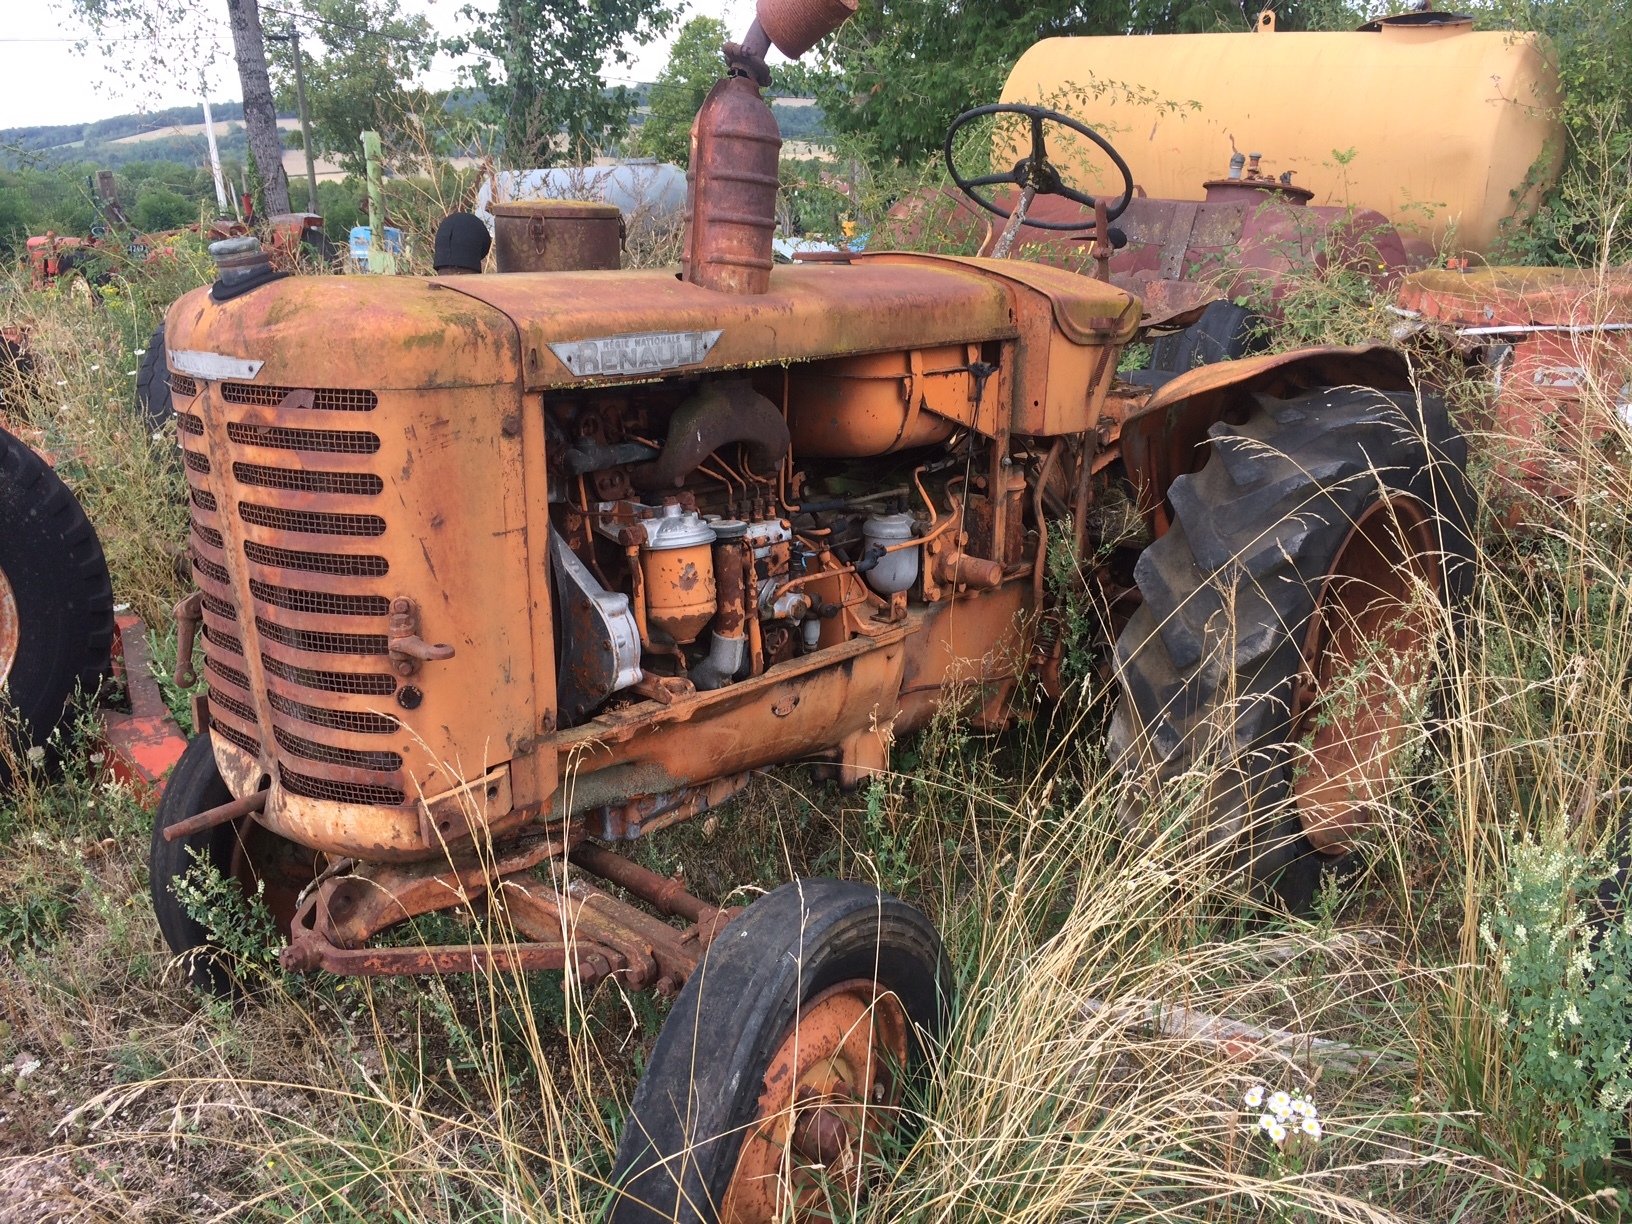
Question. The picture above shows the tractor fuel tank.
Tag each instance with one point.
(1432, 124)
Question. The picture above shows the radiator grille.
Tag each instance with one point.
(350, 484)
(277, 489)
(339, 792)
(227, 672)
(183, 385)
(188, 423)
(327, 754)
(221, 701)
(314, 522)
(278, 437)
(327, 399)
(363, 684)
(228, 732)
(210, 570)
(343, 564)
(220, 607)
(226, 641)
(320, 641)
(363, 723)
(321, 602)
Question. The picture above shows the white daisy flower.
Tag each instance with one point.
(1255, 1096)
(1303, 1108)
(1280, 1104)
(1310, 1127)
(1265, 1121)
(1277, 1132)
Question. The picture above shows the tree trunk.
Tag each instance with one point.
(260, 113)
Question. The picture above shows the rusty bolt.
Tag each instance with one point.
(667, 986)
(402, 606)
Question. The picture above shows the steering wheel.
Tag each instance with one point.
(1035, 170)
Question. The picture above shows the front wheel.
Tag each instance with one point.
(783, 1064)
(1291, 617)
(256, 861)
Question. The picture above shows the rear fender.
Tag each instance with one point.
(1166, 436)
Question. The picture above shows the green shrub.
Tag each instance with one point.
(1567, 1015)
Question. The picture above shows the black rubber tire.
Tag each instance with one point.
(1215, 651)
(686, 1125)
(52, 561)
(153, 400)
(1224, 332)
(194, 785)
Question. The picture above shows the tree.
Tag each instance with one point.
(363, 61)
(543, 79)
(898, 73)
(695, 63)
(170, 39)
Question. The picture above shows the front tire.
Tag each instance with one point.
(246, 852)
(1290, 616)
(783, 1061)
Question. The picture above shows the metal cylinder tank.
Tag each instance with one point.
(1444, 122)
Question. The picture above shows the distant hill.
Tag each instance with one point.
(174, 134)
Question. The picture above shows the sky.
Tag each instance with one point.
(43, 80)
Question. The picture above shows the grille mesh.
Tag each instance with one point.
(336, 720)
(232, 705)
(196, 462)
(235, 736)
(204, 500)
(326, 399)
(220, 607)
(321, 602)
(183, 385)
(356, 484)
(362, 684)
(210, 570)
(209, 535)
(228, 673)
(188, 423)
(378, 761)
(322, 642)
(224, 640)
(343, 564)
(339, 792)
(315, 522)
(340, 441)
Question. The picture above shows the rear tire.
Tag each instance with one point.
(56, 599)
(1212, 668)
(810, 951)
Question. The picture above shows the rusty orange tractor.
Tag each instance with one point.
(498, 572)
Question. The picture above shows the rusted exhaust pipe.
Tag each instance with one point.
(735, 146)
(210, 817)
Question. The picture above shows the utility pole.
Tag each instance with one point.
(215, 153)
(293, 39)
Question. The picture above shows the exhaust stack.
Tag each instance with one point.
(735, 145)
